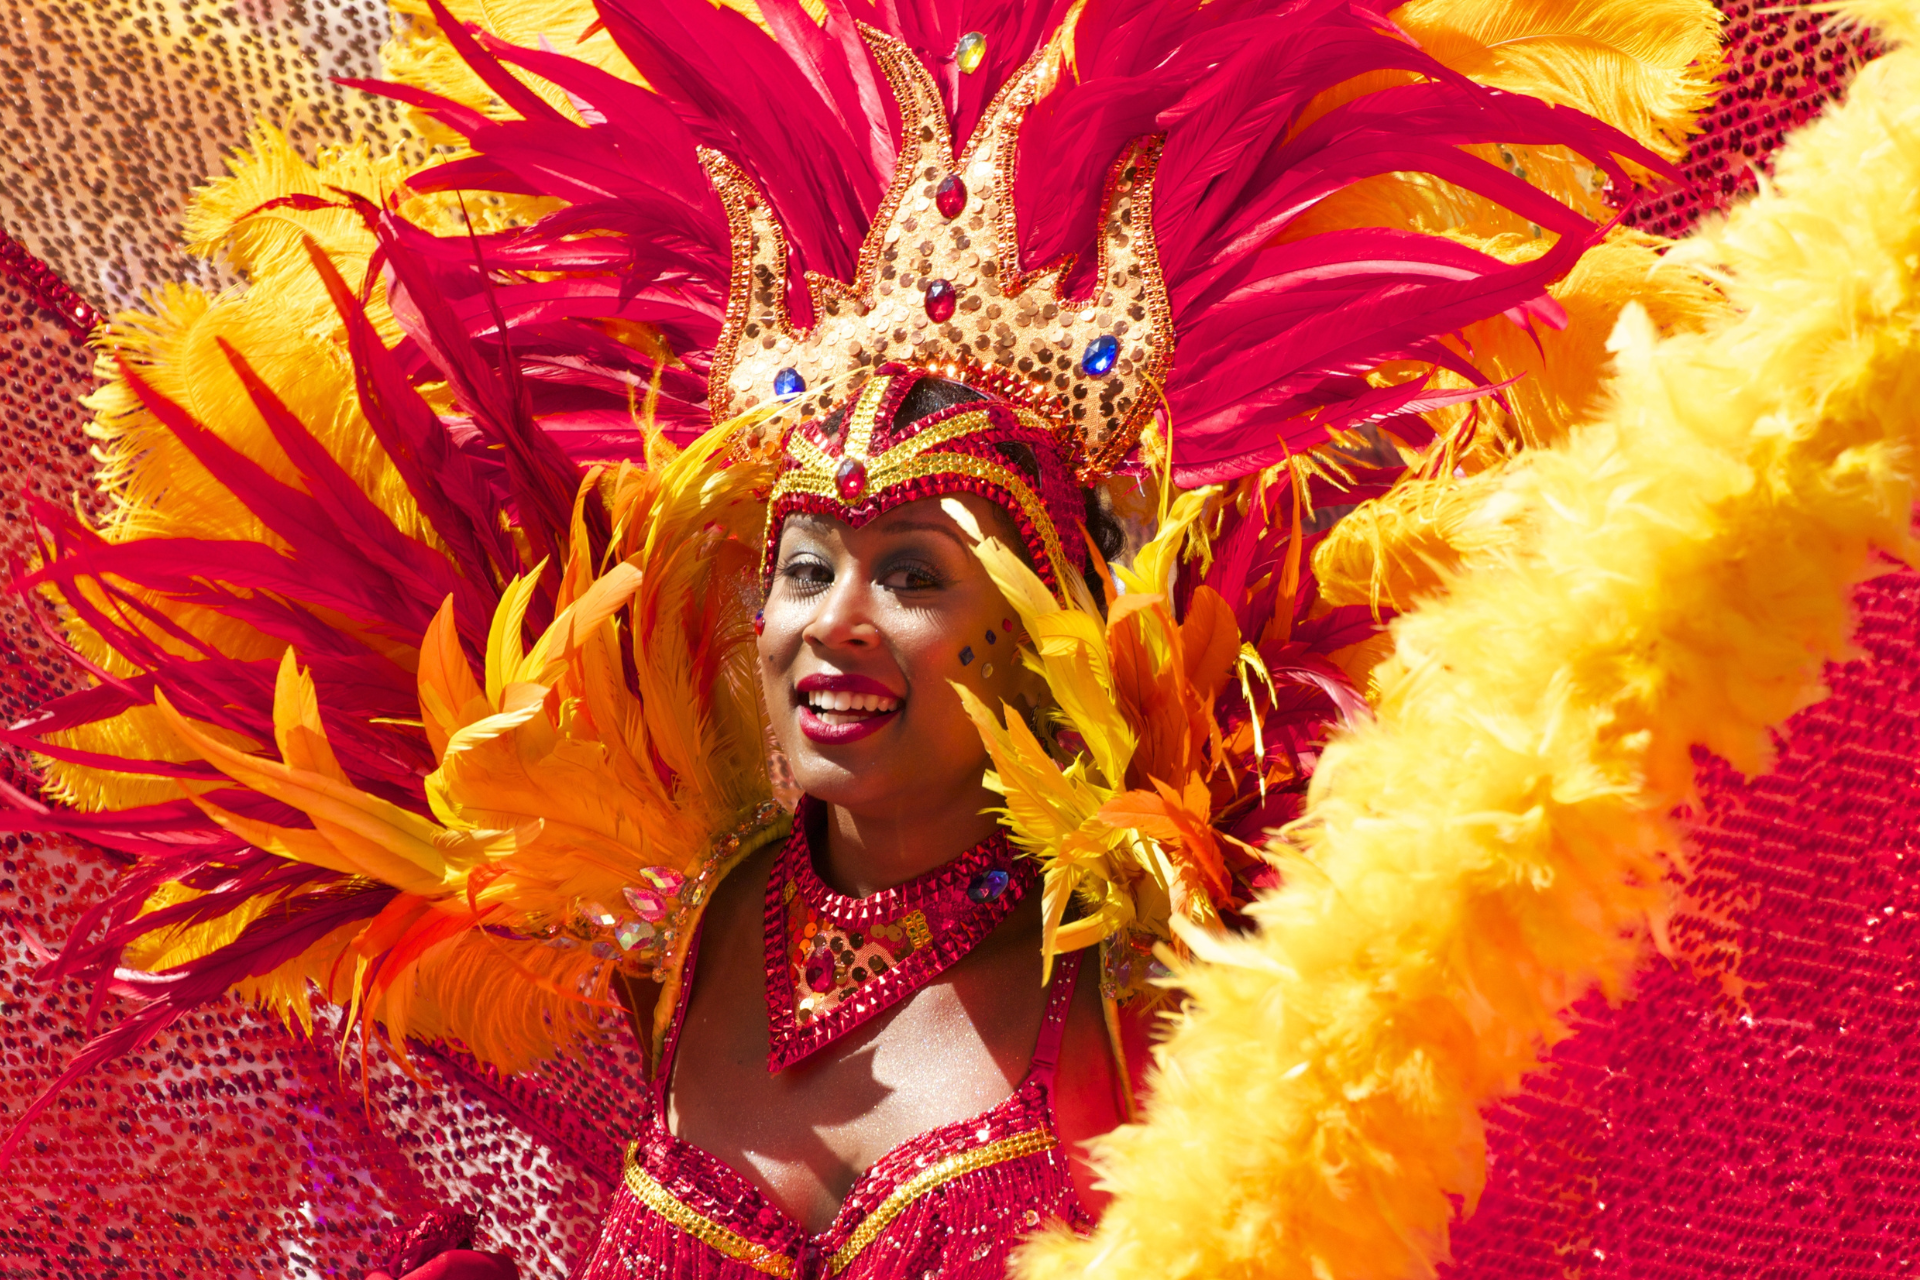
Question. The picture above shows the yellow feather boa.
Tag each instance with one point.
(1493, 844)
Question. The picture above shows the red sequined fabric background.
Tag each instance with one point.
(1753, 1116)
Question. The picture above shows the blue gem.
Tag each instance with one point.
(966, 655)
(987, 885)
(991, 637)
(788, 382)
(1101, 354)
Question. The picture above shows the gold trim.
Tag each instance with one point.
(767, 1262)
(886, 473)
(707, 1232)
(954, 1166)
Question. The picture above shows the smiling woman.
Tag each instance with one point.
(865, 999)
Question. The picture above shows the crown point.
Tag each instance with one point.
(1100, 355)
(941, 300)
(970, 52)
(850, 478)
(788, 383)
(950, 197)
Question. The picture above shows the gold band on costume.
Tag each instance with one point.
(648, 1190)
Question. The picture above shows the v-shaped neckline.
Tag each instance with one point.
(1030, 1101)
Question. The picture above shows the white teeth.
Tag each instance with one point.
(839, 700)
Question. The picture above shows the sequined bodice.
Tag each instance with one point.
(952, 1202)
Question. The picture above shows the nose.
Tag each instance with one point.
(845, 617)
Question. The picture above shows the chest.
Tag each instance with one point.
(956, 1047)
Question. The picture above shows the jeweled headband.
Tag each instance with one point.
(940, 287)
(861, 460)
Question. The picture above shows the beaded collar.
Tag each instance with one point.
(833, 961)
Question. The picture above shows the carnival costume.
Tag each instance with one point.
(421, 634)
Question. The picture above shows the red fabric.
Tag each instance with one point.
(1706, 1129)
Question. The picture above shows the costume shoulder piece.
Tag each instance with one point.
(420, 635)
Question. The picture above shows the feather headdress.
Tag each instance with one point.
(419, 647)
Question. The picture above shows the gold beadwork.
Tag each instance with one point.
(707, 1232)
(918, 932)
(768, 1262)
(954, 1166)
(1012, 329)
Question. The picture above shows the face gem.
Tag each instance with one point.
(986, 672)
(788, 383)
(950, 197)
(1100, 356)
(966, 655)
(850, 478)
(991, 637)
(941, 300)
(970, 52)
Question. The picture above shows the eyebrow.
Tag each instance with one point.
(929, 526)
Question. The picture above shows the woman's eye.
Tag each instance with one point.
(912, 577)
(806, 572)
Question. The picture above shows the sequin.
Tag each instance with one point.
(941, 300)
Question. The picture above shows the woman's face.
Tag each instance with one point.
(865, 628)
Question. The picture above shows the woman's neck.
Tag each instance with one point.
(869, 851)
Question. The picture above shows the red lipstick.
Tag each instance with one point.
(850, 724)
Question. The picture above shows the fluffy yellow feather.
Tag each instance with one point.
(1491, 847)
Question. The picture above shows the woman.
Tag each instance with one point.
(474, 735)
(864, 630)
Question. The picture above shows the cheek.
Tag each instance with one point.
(778, 640)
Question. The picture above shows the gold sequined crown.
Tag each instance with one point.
(939, 283)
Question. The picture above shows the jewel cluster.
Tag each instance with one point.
(657, 908)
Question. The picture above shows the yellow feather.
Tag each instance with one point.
(1644, 67)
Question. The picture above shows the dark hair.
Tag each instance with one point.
(1108, 536)
(929, 396)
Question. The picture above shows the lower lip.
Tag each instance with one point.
(818, 730)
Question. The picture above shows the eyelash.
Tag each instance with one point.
(808, 574)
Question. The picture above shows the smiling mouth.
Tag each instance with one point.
(839, 707)
(833, 717)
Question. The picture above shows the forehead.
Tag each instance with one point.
(921, 517)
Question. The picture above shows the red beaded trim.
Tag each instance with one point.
(49, 291)
(954, 925)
